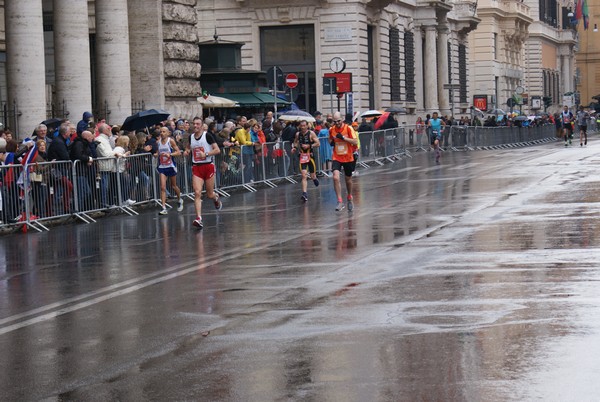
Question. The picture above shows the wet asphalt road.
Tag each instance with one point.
(472, 280)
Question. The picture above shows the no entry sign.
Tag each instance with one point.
(291, 80)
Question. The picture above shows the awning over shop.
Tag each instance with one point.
(254, 99)
(268, 98)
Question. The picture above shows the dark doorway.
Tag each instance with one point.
(292, 48)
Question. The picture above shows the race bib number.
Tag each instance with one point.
(197, 152)
(304, 158)
(164, 159)
(341, 148)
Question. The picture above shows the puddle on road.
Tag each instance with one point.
(588, 192)
(578, 232)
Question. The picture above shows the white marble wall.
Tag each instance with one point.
(113, 73)
(146, 53)
(25, 66)
(71, 57)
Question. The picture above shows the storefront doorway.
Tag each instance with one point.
(292, 48)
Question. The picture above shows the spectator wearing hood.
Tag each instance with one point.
(85, 123)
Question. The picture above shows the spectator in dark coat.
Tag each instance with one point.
(365, 135)
(82, 154)
(58, 151)
(288, 135)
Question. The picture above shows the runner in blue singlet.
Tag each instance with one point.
(435, 125)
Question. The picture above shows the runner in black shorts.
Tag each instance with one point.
(349, 167)
(582, 119)
(341, 138)
(566, 118)
(435, 125)
(305, 142)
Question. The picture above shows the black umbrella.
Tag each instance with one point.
(144, 119)
(396, 109)
(521, 118)
(51, 125)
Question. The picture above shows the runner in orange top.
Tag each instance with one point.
(341, 137)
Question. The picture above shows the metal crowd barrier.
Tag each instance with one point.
(476, 137)
(39, 192)
(12, 205)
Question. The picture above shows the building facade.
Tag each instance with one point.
(63, 57)
(588, 56)
(523, 50)
(394, 52)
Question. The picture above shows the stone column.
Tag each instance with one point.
(112, 60)
(566, 75)
(146, 52)
(430, 68)
(442, 68)
(419, 68)
(571, 61)
(181, 54)
(72, 57)
(25, 67)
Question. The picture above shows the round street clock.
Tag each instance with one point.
(337, 64)
(519, 90)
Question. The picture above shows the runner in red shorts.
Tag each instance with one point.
(203, 147)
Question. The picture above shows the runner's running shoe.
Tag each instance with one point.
(163, 212)
(218, 203)
(198, 223)
(180, 207)
(316, 182)
(304, 197)
(340, 206)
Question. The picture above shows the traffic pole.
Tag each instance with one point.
(275, 93)
(331, 93)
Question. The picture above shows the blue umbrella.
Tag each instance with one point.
(292, 106)
(145, 119)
